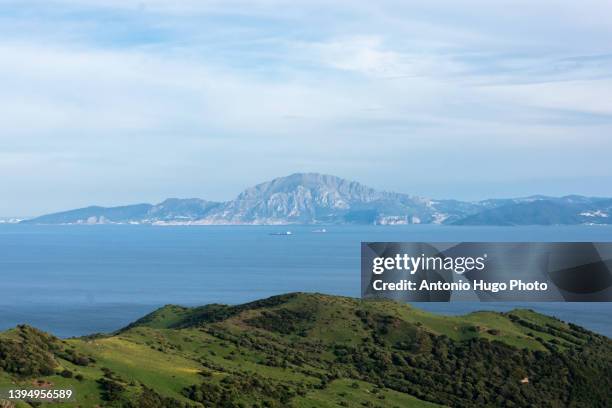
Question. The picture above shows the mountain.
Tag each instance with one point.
(569, 210)
(96, 214)
(317, 198)
(312, 198)
(317, 351)
(172, 209)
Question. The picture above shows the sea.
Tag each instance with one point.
(74, 280)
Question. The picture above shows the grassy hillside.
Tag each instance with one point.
(310, 350)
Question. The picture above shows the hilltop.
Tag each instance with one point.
(317, 351)
(312, 198)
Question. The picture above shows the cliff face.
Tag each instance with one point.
(315, 198)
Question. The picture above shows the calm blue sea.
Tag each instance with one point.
(76, 280)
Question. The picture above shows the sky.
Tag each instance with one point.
(116, 101)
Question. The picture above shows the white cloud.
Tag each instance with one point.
(587, 96)
(368, 55)
(174, 91)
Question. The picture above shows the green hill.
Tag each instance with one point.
(310, 351)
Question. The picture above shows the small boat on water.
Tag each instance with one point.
(282, 233)
(320, 231)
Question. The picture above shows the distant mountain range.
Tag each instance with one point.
(311, 198)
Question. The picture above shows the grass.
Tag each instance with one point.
(289, 342)
(350, 393)
(167, 373)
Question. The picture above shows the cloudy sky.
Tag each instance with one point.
(120, 101)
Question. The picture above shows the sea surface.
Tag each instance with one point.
(77, 280)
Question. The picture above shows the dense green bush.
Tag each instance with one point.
(29, 353)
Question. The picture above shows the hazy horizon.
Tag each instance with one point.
(110, 204)
(118, 102)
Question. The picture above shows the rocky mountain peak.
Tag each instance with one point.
(311, 198)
